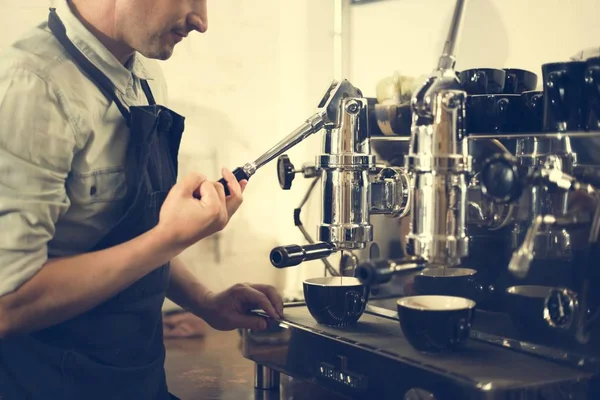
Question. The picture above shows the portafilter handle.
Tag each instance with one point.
(376, 272)
(292, 255)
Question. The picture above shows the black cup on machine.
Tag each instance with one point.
(335, 301)
(436, 323)
(519, 80)
(525, 304)
(482, 80)
(565, 103)
(592, 89)
(499, 113)
(458, 282)
(532, 111)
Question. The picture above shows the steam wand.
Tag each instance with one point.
(328, 267)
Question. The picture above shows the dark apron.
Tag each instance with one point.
(114, 351)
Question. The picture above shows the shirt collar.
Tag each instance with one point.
(121, 76)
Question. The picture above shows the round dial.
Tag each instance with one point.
(560, 308)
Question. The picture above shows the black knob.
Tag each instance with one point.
(285, 172)
(501, 179)
(289, 256)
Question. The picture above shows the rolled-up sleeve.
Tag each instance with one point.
(37, 144)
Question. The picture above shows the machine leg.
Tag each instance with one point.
(265, 378)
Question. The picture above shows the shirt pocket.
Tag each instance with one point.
(98, 186)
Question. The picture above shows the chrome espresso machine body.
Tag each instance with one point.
(535, 334)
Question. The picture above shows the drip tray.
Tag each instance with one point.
(373, 359)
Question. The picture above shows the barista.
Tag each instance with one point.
(92, 218)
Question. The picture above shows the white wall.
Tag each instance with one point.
(408, 35)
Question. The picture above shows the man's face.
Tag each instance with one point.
(154, 27)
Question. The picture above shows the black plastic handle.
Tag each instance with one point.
(239, 174)
(289, 256)
(374, 273)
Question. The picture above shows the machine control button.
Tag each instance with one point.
(560, 308)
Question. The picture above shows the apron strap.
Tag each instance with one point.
(101, 81)
(148, 92)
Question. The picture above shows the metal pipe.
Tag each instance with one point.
(265, 378)
(448, 57)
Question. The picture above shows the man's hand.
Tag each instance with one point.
(197, 208)
(229, 309)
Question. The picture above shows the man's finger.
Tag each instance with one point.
(191, 183)
(254, 298)
(220, 191)
(208, 192)
(251, 322)
(272, 295)
(232, 182)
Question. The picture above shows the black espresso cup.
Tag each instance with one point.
(519, 80)
(565, 103)
(436, 323)
(532, 111)
(458, 282)
(592, 89)
(336, 301)
(499, 113)
(482, 80)
(525, 304)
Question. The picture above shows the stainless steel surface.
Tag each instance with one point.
(439, 165)
(390, 192)
(438, 160)
(483, 212)
(520, 262)
(265, 378)
(312, 125)
(345, 167)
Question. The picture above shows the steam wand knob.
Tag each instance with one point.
(285, 172)
(501, 179)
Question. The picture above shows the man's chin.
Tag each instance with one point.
(162, 54)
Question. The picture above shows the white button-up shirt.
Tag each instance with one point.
(62, 147)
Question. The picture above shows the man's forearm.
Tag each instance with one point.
(67, 287)
(185, 289)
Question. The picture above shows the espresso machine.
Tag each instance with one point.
(512, 229)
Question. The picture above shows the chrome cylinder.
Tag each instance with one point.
(265, 378)
(439, 165)
(345, 167)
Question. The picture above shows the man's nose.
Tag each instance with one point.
(198, 18)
